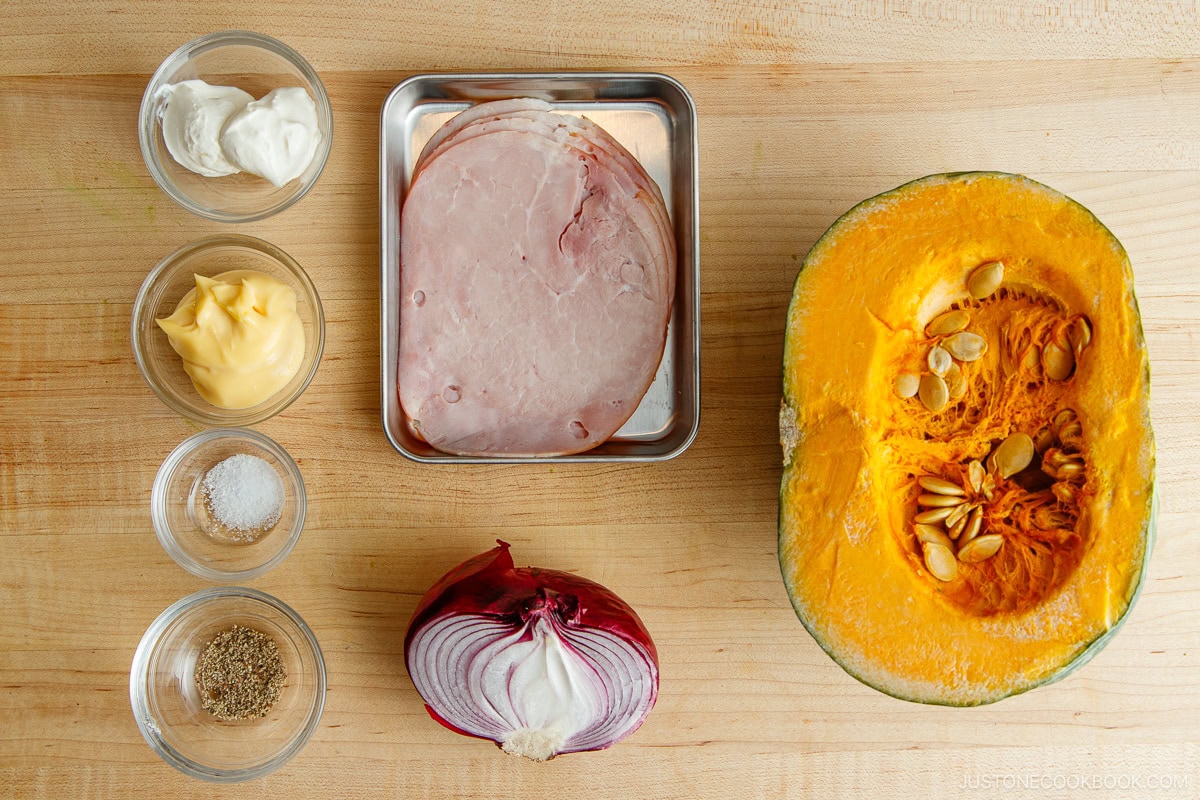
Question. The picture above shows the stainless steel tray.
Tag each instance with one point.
(654, 117)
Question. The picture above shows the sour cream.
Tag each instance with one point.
(222, 130)
(192, 115)
(275, 137)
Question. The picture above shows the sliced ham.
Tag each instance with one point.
(537, 273)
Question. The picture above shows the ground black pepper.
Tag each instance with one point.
(240, 674)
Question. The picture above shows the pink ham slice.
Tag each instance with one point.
(536, 286)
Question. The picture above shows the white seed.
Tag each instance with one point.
(980, 548)
(1079, 334)
(906, 385)
(940, 486)
(939, 360)
(985, 279)
(933, 515)
(940, 561)
(934, 392)
(955, 530)
(974, 524)
(1057, 362)
(1063, 418)
(958, 515)
(975, 474)
(949, 322)
(1013, 455)
(956, 382)
(928, 534)
(966, 346)
(939, 501)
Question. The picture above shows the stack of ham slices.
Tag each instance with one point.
(537, 271)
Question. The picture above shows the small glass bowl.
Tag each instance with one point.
(255, 64)
(185, 524)
(166, 701)
(174, 277)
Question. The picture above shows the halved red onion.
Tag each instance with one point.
(539, 661)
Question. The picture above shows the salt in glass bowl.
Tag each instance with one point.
(255, 64)
(173, 278)
(186, 525)
(167, 703)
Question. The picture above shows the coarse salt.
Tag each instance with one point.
(244, 493)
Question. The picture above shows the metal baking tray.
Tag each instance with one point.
(654, 117)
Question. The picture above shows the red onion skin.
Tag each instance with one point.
(489, 584)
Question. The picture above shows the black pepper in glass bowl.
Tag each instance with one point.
(228, 684)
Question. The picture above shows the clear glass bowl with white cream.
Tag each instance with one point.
(235, 126)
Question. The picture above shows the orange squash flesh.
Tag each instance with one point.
(1075, 540)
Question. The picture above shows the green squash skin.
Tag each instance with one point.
(1150, 528)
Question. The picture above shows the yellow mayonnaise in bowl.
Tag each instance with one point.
(228, 330)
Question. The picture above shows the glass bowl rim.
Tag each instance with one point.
(139, 675)
(158, 503)
(203, 44)
(194, 411)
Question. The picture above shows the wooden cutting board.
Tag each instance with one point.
(804, 110)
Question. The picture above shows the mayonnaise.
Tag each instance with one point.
(193, 114)
(221, 130)
(239, 335)
(275, 137)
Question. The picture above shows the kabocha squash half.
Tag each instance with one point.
(966, 509)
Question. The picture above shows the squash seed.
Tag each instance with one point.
(1063, 418)
(947, 323)
(940, 562)
(928, 534)
(985, 279)
(1013, 455)
(939, 501)
(980, 549)
(1071, 433)
(940, 486)
(933, 515)
(1043, 440)
(939, 360)
(934, 393)
(906, 385)
(966, 346)
(1057, 362)
(1079, 334)
(975, 473)
(958, 515)
(955, 530)
(1032, 359)
(974, 525)
(956, 382)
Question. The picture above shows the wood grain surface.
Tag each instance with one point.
(805, 109)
